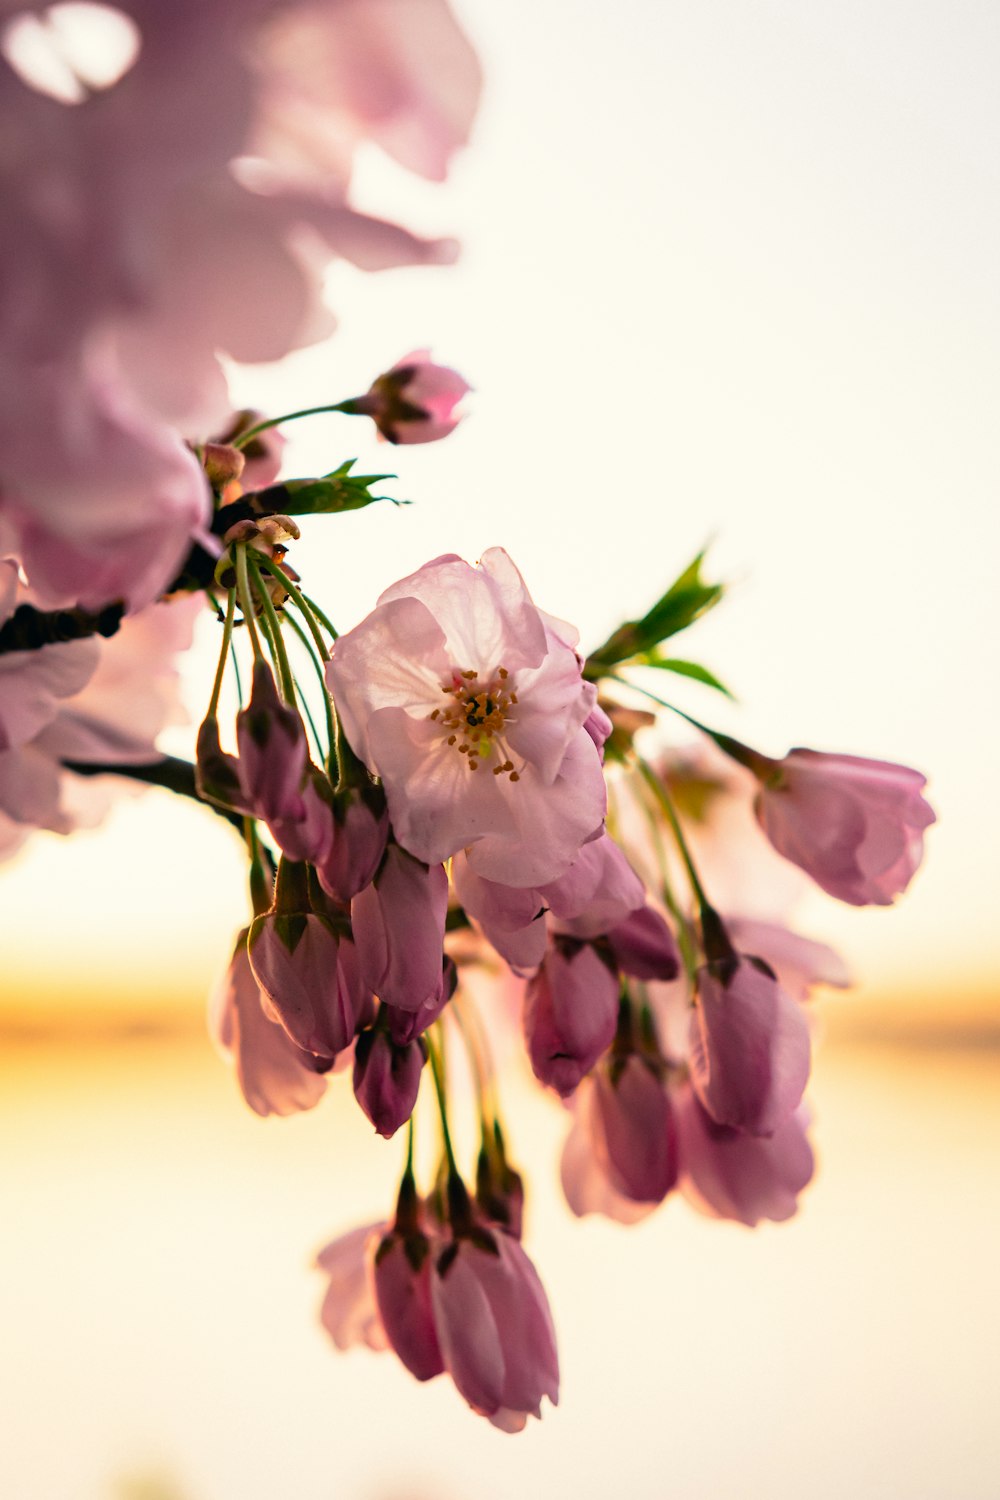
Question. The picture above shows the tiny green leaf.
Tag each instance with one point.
(687, 598)
(686, 669)
(329, 495)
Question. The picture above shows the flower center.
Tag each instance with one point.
(476, 717)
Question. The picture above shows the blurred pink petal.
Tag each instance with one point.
(349, 1312)
(275, 1076)
(856, 826)
(729, 1174)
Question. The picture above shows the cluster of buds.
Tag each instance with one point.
(462, 786)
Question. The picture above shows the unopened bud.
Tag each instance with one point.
(222, 464)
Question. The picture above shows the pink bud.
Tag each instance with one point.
(856, 826)
(406, 1025)
(403, 1295)
(386, 1079)
(357, 843)
(272, 746)
(494, 1329)
(749, 1046)
(415, 401)
(398, 924)
(295, 959)
(309, 837)
(644, 946)
(731, 1175)
(570, 1013)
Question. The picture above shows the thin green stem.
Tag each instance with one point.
(292, 416)
(322, 618)
(331, 725)
(227, 636)
(437, 1072)
(760, 765)
(477, 1062)
(246, 599)
(689, 954)
(299, 600)
(274, 633)
(663, 798)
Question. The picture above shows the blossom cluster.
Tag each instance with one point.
(449, 790)
(461, 818)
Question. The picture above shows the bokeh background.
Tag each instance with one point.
(729, 275)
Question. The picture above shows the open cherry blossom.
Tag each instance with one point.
(458, 692)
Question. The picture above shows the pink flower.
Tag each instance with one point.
(729, 1174)
(275, 1076)
(749, 1046)
(397, 72)
(856, 826)
(398, 923)
(570, 1013)
(349, 1313)
(494, 1328)
(415, 401)
(99, 503)
(459, 695)
(597, 891)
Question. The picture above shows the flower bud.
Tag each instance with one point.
(570, 1013)
(402, 1280)
(358, 838)
(415, 401)
(398, 924)
(386, 1079)
(856, 826)
(272, 746)
(749, 1046)
(217, 774)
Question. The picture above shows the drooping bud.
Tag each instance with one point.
(358, 839)
(296, 959)
(398, 924)
(402, 1280)
(386, 1079)
(570, 1013)
(273, 752)
(749, 1046)
(309, 837)
(216, 773)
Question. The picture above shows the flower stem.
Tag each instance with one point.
(246, 599)
(273, 628)
(331, 725)
(663, 798)
(227, 636)
(760, 765)
(437, 1072)
(321, 617)
(292, 416)
(300, 602)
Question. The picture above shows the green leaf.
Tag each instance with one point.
(686, 600)
(686, 669)
(327, 496)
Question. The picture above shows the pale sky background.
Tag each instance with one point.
(730, 273)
